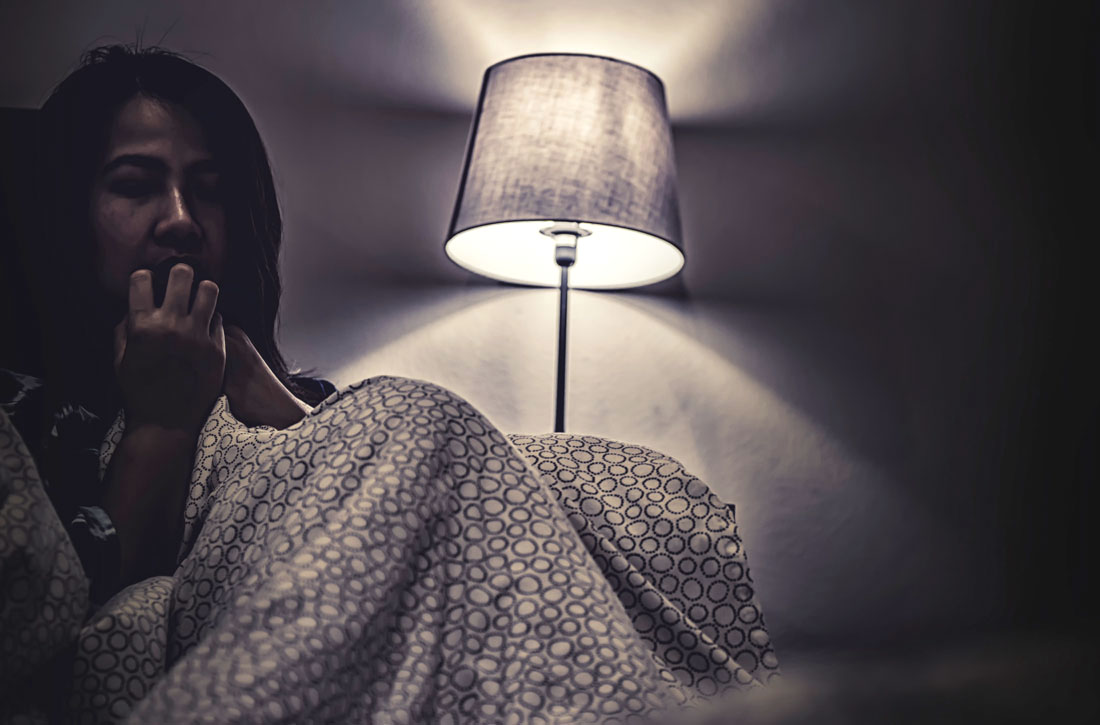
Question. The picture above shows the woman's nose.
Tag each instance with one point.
(177, 225)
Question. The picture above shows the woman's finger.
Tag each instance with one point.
(206, 299)
(141, 291)
(178, 293)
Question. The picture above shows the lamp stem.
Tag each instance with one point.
(565, 235)
(563, 309)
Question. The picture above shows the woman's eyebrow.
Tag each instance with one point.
(203, 166)
(152, 163)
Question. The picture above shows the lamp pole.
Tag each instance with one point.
(565, 236)
(564, 255)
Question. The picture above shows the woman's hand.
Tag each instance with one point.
(170, 361)
(256, 395)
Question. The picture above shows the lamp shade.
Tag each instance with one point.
(569, 138)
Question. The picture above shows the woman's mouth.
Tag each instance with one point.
(161, 272)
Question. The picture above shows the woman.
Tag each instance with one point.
(387, 554)
(150, 166)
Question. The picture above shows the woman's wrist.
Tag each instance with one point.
(161, 432)
(162, 435)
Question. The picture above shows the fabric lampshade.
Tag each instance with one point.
(569, 138)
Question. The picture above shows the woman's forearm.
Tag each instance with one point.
(147, 484)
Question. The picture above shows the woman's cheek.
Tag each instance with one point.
(113, 278)
(217, 243)
(117, 246)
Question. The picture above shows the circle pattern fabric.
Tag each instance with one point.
(669, 547)
(43, 589)
(121, 652)
(395, 558)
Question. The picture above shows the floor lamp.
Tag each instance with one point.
(569, 181)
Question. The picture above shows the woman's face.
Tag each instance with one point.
(155, 197)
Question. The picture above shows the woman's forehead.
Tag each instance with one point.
(148, 126)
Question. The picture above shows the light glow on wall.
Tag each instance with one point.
(679, 41)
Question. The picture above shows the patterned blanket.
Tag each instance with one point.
(394, 558)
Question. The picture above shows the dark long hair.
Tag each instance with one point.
(75, 125)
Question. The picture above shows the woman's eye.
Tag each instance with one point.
(132, 188)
